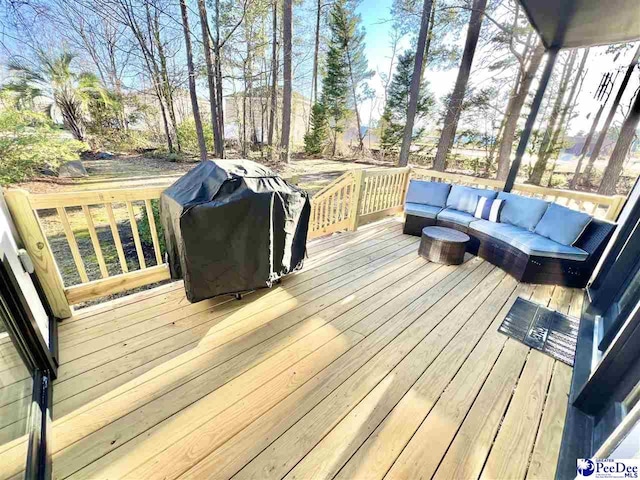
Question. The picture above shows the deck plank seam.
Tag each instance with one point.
(407, 354)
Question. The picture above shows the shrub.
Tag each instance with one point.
(145, 230)
(189, 139)
(121, 141)
(29, 142)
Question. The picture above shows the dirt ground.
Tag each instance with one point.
(137, 170)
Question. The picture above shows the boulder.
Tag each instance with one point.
(105, 156)
(73, 169)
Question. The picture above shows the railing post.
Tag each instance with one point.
(354, 207)
(406, 185)
(35, 242)
(615, 207)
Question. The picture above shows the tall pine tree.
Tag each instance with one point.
(335, 84)
(315, 139)
(349, 34)
(394, 117)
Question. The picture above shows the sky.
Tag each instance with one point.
(375, 15)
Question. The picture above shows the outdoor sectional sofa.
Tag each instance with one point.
(533, 240)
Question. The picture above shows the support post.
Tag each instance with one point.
(36, 245)
(552, 54)
(354, 207)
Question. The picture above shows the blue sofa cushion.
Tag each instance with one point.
(528, 242)
(421, 210)
(501, 231)
(533, 244)
(466, 199)
(522, 211)
(562, 224)
(456, 216)
(428, 193)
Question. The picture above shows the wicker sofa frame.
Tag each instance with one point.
(529, 268)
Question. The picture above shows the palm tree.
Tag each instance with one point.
(53, 78)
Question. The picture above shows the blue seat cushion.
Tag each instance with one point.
(501, 231)
(428, 193)
(465, 199)
(533, 244)
(522, 211)
(456, 216)
(562, 224)
(421, 210)
(528, 242)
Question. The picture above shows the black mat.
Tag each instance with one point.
(541, 328)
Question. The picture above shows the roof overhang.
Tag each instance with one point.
(584, 23)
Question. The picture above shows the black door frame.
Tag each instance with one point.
(594, 408)
(33, 350)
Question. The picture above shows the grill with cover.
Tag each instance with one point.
(231, 226)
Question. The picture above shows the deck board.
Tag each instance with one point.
(371, 363)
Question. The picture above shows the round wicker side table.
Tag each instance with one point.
(443, 245)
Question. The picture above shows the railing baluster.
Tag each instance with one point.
(116, 237)
(136, 235)
(365, 196)
(394, 192)
(95, 241)
(375, 189)
(325, 213)
(154, 231)
(73, 245)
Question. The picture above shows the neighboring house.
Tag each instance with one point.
(256, 115)
(145, 112)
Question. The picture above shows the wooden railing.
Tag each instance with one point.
(355, 198)
(600, 206)
(24, 208)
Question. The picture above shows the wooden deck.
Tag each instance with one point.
(369, 363)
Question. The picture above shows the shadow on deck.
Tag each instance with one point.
(369, 362)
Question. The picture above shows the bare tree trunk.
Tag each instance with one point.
(274, 74)
(154, 27)
(218, 70)
(585, 149)
(494, 146)
(563, 123)
(414, 89)
(126, 10)
(316, 54)
(595, 153)
(244, 150)
(432, 20)
(546, 145)
(218, 141)
(287, 18)
(514, 108)
(202, 145)
(618, 156)
(455, 102)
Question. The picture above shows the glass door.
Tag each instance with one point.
(27, 364)
(603, 416)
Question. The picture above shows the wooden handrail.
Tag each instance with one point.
(24, 208)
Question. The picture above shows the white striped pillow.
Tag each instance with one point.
(488, 209)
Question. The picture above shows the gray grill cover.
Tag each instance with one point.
(231, 226)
